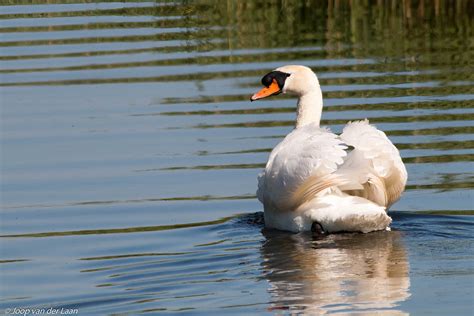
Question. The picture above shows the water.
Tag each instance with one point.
(130, 153)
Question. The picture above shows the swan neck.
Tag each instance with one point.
(309, 108)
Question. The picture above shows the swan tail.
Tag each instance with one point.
(342, 212)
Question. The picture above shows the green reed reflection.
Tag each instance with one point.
(402, 25)
(413, 29)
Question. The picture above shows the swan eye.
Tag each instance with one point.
(276, 75)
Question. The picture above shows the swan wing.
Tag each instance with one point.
(301, 166)
(374, 163)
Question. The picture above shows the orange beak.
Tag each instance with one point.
(266, 92)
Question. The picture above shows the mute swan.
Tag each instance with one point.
(317, 180)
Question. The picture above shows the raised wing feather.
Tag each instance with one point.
(300, 167)
(375, 163)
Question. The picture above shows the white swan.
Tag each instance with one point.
(317, 180)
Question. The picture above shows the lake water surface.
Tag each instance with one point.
(130, 150)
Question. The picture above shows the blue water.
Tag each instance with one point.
(130, 150)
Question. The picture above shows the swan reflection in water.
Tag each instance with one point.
(337, 273)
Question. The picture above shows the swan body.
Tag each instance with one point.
(339, 182)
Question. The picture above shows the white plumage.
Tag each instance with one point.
(342, 183)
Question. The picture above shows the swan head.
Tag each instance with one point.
(292, 79)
